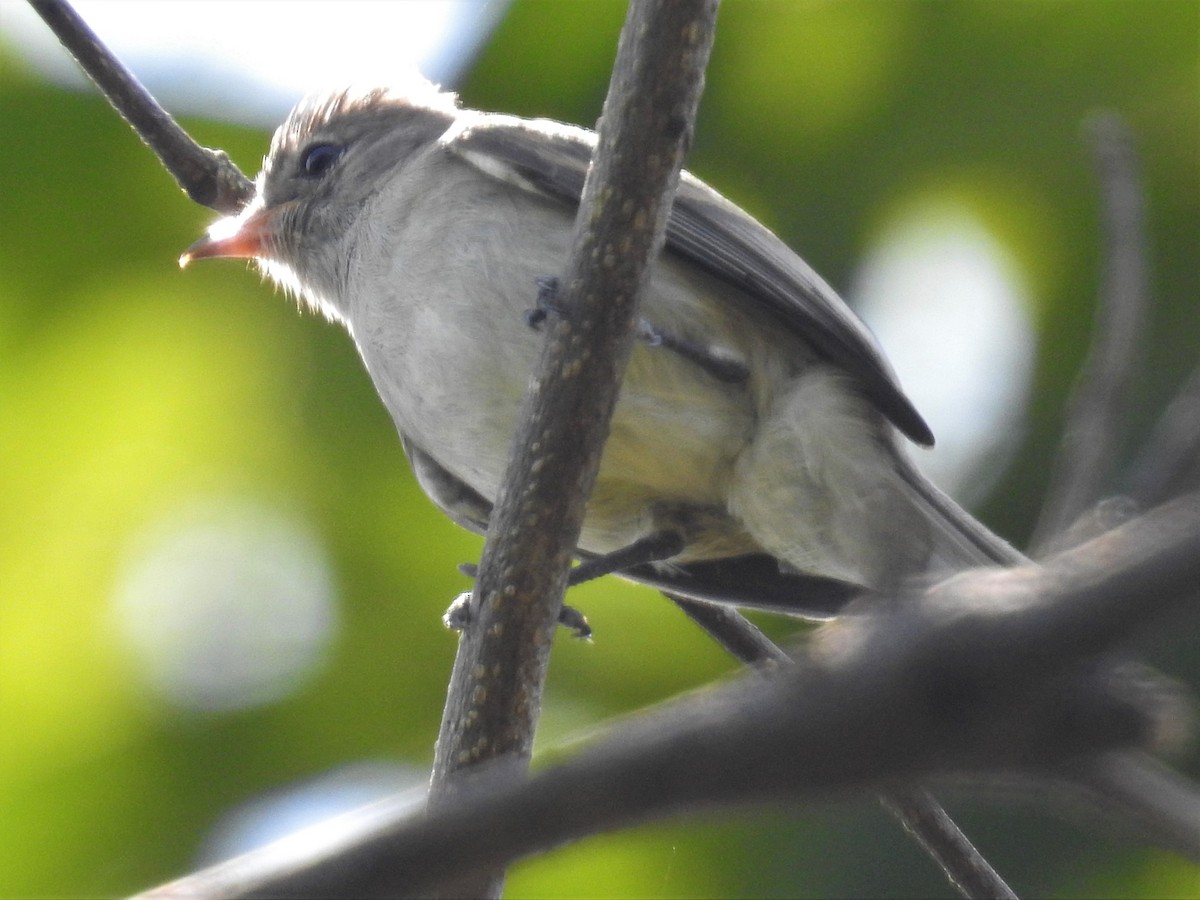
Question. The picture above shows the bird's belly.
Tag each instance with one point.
(450, 352)
(675, 434)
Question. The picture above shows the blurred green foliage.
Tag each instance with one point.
(130, 390)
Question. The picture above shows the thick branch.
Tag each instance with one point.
(496, 686)
(940, 684)
(208, 177)
(918, 811)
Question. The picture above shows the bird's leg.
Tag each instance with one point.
(719, 366)
(652, 548)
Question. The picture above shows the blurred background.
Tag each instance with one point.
(220, 588)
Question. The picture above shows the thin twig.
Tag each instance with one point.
(1169, 463)
(1139, 790)
(1096, 406)
(495, 690)
(930, 825)
(208, 177)
(921, 815)
(1130, 795)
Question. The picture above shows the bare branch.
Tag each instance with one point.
(1128, 794)
(495, 689)
(1141, 791)
(1169, 463)
(208, 177)
(917, 810)
(938, 684)
(931, 826)
(1085, 458)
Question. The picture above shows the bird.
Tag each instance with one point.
(758, 450)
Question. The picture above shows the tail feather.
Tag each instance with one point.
(959, 539)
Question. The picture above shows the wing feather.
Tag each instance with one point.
(709, 231)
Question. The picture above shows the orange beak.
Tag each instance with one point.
(235, 238)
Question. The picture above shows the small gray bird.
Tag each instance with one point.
(754, 457)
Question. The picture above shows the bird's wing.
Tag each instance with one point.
(552, 159)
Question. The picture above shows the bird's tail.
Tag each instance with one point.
(959, 540)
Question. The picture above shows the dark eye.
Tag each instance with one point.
(317, 159)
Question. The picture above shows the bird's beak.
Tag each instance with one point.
(247, 236)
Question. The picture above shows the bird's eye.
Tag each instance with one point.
(318, 159)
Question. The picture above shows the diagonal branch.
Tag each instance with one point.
(937, 684)
(495, 689)
(918, 811)
(1142, 792)
(925, 819)
(1169, 463)
(208, 177)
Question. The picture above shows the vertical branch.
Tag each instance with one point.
(1085, 457)
(496, 686)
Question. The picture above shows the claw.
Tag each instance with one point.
(572, 618)
(459, 614)
(547, 286)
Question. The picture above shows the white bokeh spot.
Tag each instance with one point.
(951, 309)
(226, 605)
(251, 61)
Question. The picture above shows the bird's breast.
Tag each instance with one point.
(438, 312)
